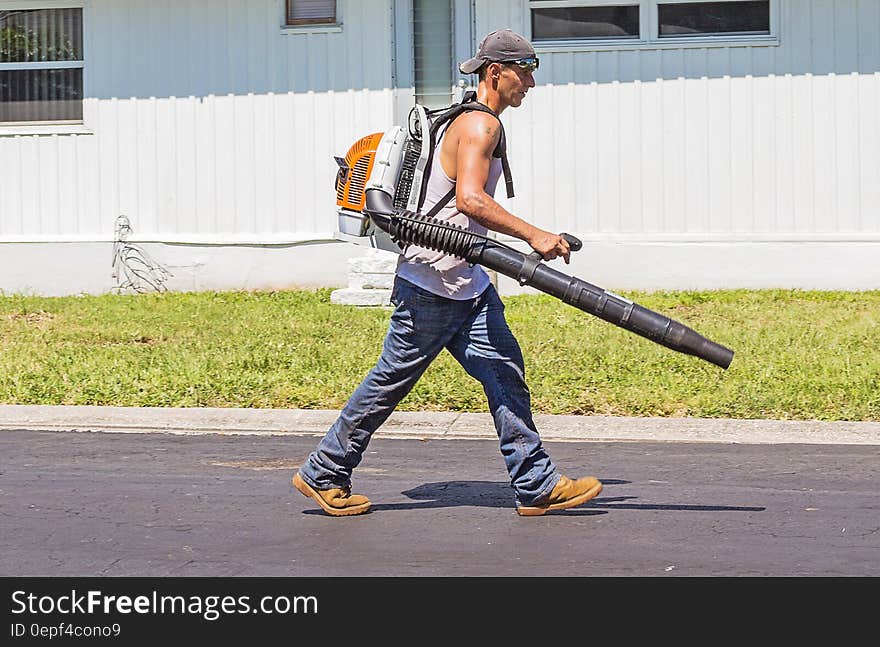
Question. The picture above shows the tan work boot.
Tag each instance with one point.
(338, 502)
(566, 494)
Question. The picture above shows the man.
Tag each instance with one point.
(443, 302)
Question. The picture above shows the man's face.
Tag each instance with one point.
(514, 82)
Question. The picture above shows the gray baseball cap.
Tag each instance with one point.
(500, 45)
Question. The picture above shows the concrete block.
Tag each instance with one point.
(376, 261)
(370, 281)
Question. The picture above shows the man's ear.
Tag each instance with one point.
(493, 71)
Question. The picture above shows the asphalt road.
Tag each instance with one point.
(152, 504)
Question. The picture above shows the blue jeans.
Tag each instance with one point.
(476, 333)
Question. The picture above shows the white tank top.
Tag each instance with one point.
(437, 272)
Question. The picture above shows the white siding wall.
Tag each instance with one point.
(769, 143)
(208, 124)
(709, 167)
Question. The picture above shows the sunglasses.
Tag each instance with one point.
(529, 63)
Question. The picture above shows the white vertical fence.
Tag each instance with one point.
(206, 123)
(739, 143)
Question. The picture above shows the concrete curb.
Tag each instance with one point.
(431, 425)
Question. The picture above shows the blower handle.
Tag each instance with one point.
(574, 243)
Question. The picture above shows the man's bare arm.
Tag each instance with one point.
(477, 138)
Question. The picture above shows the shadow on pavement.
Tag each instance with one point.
(491, 494)
(610, 503)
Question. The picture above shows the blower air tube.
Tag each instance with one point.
(430, 233)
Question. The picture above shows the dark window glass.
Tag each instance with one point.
(309, 12)
(41, 91)
(559, 23)
(695, 18)
(40, 35)
(41, 95)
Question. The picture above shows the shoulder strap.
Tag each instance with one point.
(442, 202)
(469, 102)
(444, 117)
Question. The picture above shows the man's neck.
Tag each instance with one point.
(489, 98)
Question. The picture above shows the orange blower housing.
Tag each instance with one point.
(352, 176)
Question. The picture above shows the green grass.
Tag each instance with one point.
(799, 355)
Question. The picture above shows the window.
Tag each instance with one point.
(701, 18)
(41, 66)
(552, 23)
(651, 23)
(432, 52)
(311, 12)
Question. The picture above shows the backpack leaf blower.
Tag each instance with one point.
(374, 189)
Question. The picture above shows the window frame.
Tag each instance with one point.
(649, 26)
(309, 26)
(55, 126)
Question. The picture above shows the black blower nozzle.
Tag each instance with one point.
(410, 228)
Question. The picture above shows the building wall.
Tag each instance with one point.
(661, 151)
(206, 121)
(213, 130)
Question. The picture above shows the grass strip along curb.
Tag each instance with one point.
(800, 355)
